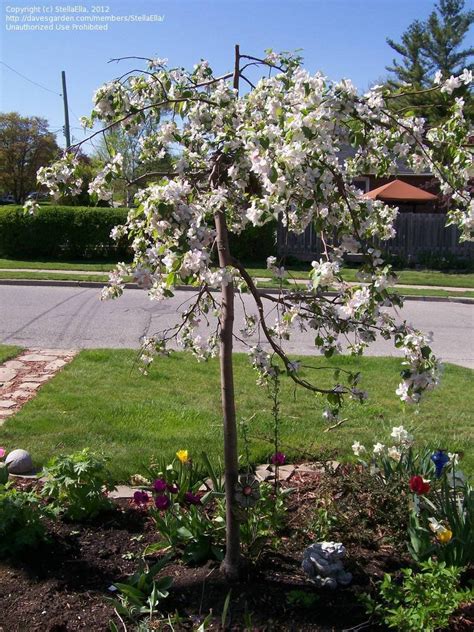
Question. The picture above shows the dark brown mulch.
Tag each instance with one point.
(63, 586)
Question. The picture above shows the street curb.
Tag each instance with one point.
(187, 288)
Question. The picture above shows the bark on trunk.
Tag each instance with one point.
(231, 563)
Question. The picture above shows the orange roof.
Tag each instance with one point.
(400, 191)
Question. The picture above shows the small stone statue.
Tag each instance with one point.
(322, 563)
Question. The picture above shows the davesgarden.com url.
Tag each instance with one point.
(31, 22)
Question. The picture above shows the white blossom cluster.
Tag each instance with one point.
(274, 153)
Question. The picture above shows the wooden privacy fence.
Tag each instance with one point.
(418, 234)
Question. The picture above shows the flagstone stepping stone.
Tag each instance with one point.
(7, 375)
(36, 357)
(19, 462)
(13, 364)
(53, 366)
(22, 377)
(37, 378)
(123, 491)
(30, 386)
(6, 403)
(20, 394)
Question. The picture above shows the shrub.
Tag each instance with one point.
(254, 243)
(77, 484)
(59, 232)
(422, 602)
(21, 521)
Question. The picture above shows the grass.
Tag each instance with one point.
(100, 400)
(45, 276)
(404, 291)
(95, 266)
(8, 351)
(405, 277)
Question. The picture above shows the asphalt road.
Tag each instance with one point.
(69, 317)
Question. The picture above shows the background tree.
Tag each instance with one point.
(413, 68)
(433, 48)
(26, 144)
(135, 171)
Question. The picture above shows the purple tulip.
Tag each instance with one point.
(192, 499)
(278, 458)
(160, 485)
(162, 502)
(173, 488)
(141, 498)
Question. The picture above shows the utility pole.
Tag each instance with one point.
(67, 130)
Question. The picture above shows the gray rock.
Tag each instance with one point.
(322, 563)
(19, 462)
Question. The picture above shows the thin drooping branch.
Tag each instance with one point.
(276, 347)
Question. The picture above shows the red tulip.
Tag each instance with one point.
(418, 485)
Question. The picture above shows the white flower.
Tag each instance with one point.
(328, 415)
(358, 448)
(451, 84)
(394, 453)
(324, 272)
(294, 366)
(378, 448)
(466, 76)
(401, 435)
(31, 206)
(438, 78)
(271, 261)
(453, 458)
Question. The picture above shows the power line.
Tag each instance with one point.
(30, 80)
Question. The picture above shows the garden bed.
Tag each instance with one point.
(64, 585)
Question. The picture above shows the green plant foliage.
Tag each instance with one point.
(77, 483)
(61, 232)
(302, 599)
(261, 523)
(142, 593)
(191, 532)
(422, 602)
(21, 521)
(451, 507)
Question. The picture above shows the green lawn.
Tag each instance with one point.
(45, 276)
(100, 400)
(405, 277)
(404, 291)
(8, 351)
(101, 266)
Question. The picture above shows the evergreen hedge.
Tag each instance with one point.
(61, 232)
(75, 232)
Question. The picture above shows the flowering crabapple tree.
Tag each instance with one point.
(273, 152)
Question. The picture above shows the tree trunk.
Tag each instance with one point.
(231, 563)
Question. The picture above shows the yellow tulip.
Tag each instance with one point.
(444, 536)
(182, 455)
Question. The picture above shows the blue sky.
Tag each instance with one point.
(343, 38)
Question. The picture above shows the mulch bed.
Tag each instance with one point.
(63, 586)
